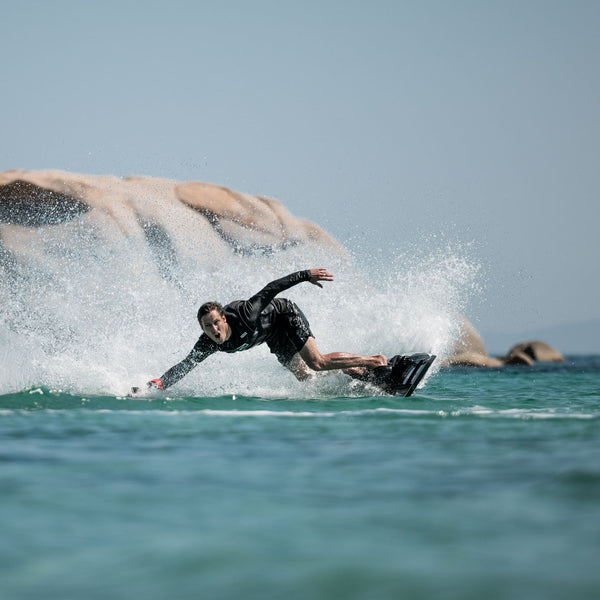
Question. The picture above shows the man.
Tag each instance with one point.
(263, 318)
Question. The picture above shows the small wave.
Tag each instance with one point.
(518, 413)
(318, 409)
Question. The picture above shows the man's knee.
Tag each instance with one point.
(312, 365)
(302, 375)
(315, 361)
(299, 368)
(312, 356)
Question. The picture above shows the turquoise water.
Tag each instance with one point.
(485, 484)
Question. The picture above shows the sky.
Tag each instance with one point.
(392, 124)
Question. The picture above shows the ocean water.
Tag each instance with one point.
(484, 484)
(241, 483)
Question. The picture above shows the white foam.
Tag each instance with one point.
(108, 321)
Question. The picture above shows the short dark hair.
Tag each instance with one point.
(208, 307)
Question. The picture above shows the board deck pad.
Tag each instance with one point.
(402, 374)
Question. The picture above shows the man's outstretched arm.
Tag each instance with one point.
(171, 377)
(178, 371)
(262, 298)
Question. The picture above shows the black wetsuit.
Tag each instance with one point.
(278, 322)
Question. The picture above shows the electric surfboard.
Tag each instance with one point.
(402, 374)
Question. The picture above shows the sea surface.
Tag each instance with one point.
(485, 484)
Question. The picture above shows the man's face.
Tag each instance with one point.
(215, 326)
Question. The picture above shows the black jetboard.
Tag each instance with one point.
(402, 374)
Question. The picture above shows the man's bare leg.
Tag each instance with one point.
(312, 357)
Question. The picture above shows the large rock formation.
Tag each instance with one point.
(533, 351)
(469, 349)
(195, 220)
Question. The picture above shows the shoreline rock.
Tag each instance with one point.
(532, 352)
(469, 351)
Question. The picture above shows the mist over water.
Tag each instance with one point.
(107, 318)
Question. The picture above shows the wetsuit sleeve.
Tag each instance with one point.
(202, 350)
(259, 301)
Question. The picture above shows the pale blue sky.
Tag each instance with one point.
(386, 122)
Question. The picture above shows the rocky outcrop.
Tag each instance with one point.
(532, 352)
(43, 212)
(133, 205)
(469, 349)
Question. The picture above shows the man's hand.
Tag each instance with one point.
(317, 275)
(154, 384)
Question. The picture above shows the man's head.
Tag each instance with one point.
(213, 321)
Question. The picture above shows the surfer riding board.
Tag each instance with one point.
(279, 323)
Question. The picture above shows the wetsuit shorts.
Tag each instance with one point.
(292, 332)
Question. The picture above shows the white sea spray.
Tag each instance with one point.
(108, 319)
